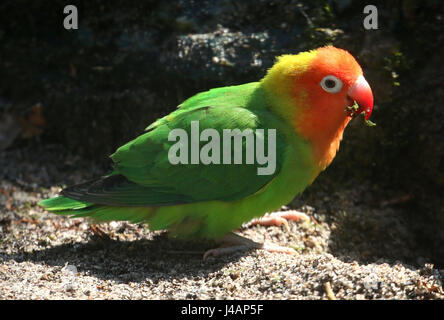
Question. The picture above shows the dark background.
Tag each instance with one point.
(87, 91)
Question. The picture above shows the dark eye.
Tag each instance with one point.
(331, 84)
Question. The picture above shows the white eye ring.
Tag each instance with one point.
(331, 84)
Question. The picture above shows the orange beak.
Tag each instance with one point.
(361, 92)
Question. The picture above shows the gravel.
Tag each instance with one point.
(349, 249)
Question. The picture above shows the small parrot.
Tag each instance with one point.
(308, 98)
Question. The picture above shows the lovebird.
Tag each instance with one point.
(198, 188)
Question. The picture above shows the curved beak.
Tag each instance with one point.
(361, 92)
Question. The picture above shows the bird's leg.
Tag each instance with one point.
(232, 242)
(279, 218)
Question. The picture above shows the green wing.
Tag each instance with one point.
(144, 176)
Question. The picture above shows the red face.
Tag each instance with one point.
(335, 82)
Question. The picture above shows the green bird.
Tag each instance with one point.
(199, 188)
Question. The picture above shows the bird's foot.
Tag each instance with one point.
(280, 218)
(232, 243)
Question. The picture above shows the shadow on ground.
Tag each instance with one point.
(131, 261)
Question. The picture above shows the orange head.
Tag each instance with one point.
(316, 91)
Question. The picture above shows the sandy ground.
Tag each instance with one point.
(350, 249)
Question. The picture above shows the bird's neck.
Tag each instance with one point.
(324, 135)
(323, 132)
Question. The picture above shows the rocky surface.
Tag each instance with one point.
(353, 247)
